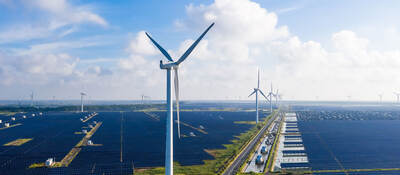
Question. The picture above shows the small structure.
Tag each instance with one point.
(84, 131)
(94, 122)
(89, 142)
(81, 119)
(192, 134)
(201, 127)
(24, 116)
(1, 121)
(40, 113)
(90, 126)
(13, 118)
(7, 124)
(33, 115)
(49, 162)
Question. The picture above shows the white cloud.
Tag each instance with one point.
(65, 13)
(141, 45)
(245, 36)
(57, 17)
(225, 62)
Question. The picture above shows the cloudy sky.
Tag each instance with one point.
(306, 48)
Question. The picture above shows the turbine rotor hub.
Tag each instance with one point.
(170, 65)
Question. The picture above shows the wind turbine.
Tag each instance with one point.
(380, 97)
(173, 65)
(397, 95)
(256, 90)
(270, 96)
(276, 97)
(82, 94)
(31, 98)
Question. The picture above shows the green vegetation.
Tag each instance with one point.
(245, 122)
(223, 157)
(37, 165)
(18, 142)
(7, 113)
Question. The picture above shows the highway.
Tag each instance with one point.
(239, 160)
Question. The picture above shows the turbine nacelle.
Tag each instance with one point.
(169, 65)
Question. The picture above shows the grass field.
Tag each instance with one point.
(18, 142)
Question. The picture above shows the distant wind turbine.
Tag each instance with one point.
(82, 94)
(397, 95)
(380, 97)
(144, 97)
(32, 98)
(256, 90)
(270, 96)
(171, 65)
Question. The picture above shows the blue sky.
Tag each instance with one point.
(98, 46)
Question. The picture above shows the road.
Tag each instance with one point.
(252, 166)
(235, 165)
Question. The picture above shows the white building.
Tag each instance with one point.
(1, 121)
(13, 118)
(49, 161)
(7, 124)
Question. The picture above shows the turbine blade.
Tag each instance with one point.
(163, 51)
(186, 54)
(263, 94)
(269, 99)
(176, 82)
(252, 93)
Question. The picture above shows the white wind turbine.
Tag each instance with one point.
(171, 65)
(380, 97)
(397, 95)
(32, 103)
(256, 90)
(270, 96)
(82, 94)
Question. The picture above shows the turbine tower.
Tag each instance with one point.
(31, 98)
(380, 97)
(169, 66)
(256, 90)
(82, 94)
(270, 96)
(397, 95)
